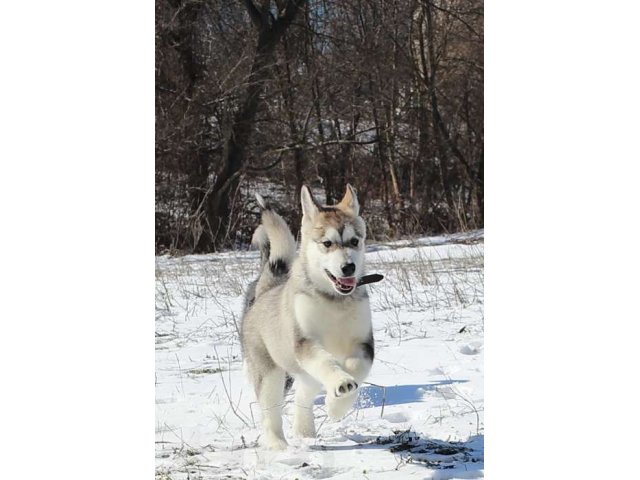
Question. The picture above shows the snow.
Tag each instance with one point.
(420, 414)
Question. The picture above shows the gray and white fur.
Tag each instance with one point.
(305, 316)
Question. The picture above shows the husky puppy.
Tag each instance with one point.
(306, 317)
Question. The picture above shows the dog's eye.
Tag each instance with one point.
(354, 242)
(327, 243)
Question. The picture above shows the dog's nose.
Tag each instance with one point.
(348, 269)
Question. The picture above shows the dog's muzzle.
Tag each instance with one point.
(343, 285)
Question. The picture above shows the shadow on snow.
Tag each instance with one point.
(375, 396)
(449, 459)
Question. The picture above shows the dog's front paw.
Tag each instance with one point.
(344, 385)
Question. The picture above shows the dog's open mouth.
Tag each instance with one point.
(343, 285)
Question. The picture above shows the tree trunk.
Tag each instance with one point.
(218, 205)
(295, 135)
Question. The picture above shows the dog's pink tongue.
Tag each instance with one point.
(348, 281)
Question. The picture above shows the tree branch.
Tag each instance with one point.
(267, 167)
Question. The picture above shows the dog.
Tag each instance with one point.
(307, 316)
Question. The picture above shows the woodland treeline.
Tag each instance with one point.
(265, 95)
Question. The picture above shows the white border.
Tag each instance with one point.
(77, 191)
(561, 257)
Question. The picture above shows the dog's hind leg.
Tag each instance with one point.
(306, 390)
(271, 397)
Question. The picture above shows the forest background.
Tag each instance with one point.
(267, 95)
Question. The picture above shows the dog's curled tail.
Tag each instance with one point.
(277, 247)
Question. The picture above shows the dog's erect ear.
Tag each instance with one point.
(309, 204)
(349, 202)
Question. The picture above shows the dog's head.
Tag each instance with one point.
(333, 242)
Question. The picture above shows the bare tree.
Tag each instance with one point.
(270, 28)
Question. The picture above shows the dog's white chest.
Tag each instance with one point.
(338, 326)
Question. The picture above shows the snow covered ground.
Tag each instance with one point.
(419, 416)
